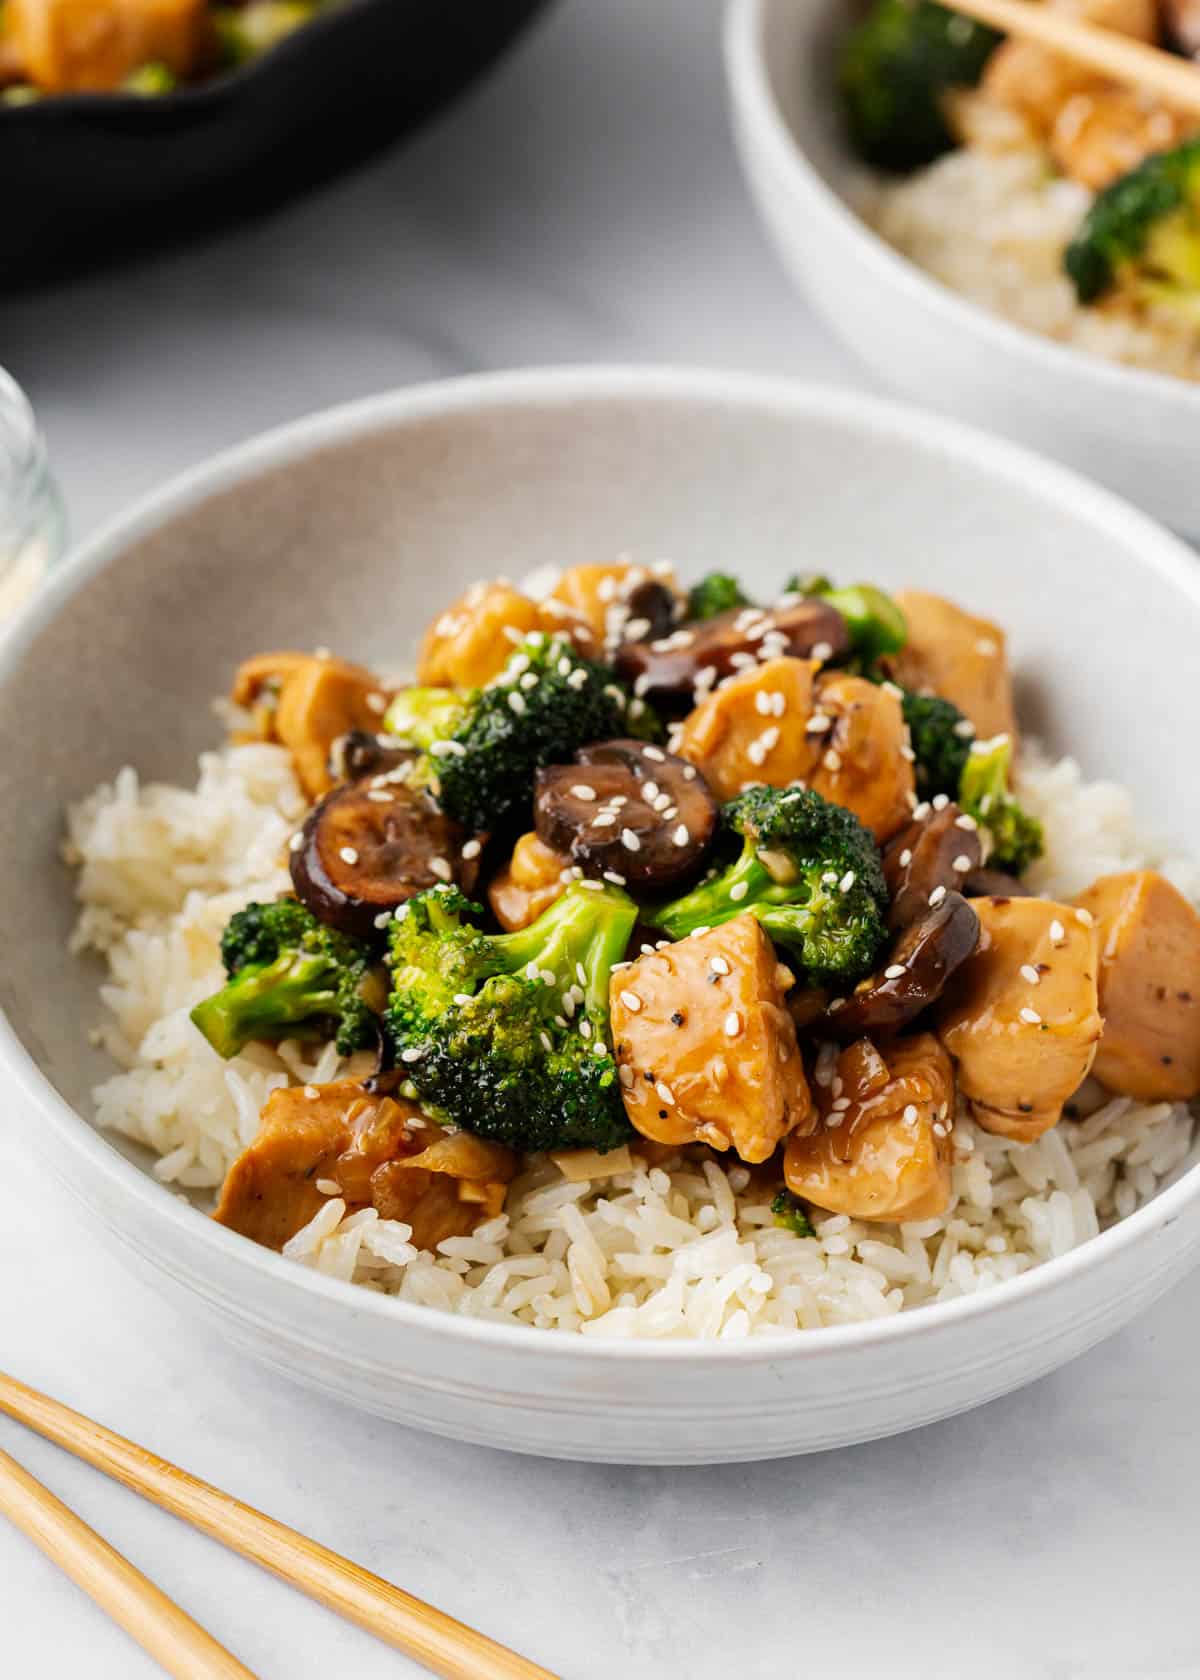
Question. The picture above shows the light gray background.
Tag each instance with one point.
(585, 205)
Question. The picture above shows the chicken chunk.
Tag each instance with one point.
(372, 1150)
(529, 883)
(959, 656)
(863, 758)
(1103, 132)
(605, 597)
(472, 641)
(887, 1154)
(754, 728)
(306, 702)
(91, 46)
(1149, 987)
(1021, 1017)
(706, 1050)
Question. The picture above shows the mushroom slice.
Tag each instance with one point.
(628, 813)
(673, 671)
(364, 850)
(882, 1151)
(361, 753)
(619, 601)
(994, 883)
(928, 859)
(916, 969)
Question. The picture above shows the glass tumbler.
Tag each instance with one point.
(32, 523)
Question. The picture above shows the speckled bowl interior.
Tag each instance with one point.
(352, 529)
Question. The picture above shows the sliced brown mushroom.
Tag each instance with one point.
(929, 858)
(994, 883)
(917, 968)
(651, 612)
(669, 672)
(362, 753)
(364, 850)
(629, 813)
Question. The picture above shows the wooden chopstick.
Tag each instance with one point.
(1176, 80)
(445, 1646)
(169, 1634)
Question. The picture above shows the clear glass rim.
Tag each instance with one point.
(28, 495)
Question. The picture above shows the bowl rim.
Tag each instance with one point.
(162, 1214)
(754, 101)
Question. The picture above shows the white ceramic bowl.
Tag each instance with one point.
(1137, 432)
(352, 528)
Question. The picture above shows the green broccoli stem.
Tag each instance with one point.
(584, 930)
(741, 888)
(263, 998)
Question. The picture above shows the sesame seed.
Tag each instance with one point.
(578, 678)
(581, 974)
(733, 1024)
(530, 680)
(462, 997)
(697, 933)
(650, 792)
(911, 1114)
(568, 1004)
(605, 819)
(894, 971)
(818, 723)
(965, 822)
(655, 754)
(1030, 1017)
(295, 843)
(614, 878)
(738, 891)
(380, 796)
(1058, 933)
(762, 703)
(964, 729)
(719, 965)
(585, 1028)
(847, 881)
(593, 886)
(940, 801)
(626, 1076)
(940, 1129)
(961, 864)
(581, 790)
(682, 835)
(921, 811)
(348, 854)
(832, 759)
(599, 1049)
(905, 858)
(441, 868)
(631, 1001)
(517, 702)
(413, 1054)
(936, 897)
(664, 1092)
(689, 772)
(630, 840)
(839, 1105)
(311, 1092)
(1028, 972)
(822, 650)
(382, 920)
(471, 850)
(547, 1042)
(1085, 917)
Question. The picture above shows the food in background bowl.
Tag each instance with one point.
(661, 964)
(146, 47)
(1058, 198)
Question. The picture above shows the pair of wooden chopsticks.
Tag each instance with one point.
(180, 1645)
(1176, 80)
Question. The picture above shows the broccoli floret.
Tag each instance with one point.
(894, 73)
(1141, 237)
(288, 974)
(485, 746)
(506, 1035)
(875, 624)
(941, 740)
(808, 870)
(151, 80)
(243, 32)
(1016, 837)
(715, 593)
(789, 1214)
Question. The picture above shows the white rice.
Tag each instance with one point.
(993, 225)
(685, 1250)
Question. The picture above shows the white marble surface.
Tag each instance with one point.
(585, 205)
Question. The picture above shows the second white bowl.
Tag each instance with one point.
(1136, 431)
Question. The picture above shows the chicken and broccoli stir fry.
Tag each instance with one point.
(146, 47)
(1068, 169)
(634, 868)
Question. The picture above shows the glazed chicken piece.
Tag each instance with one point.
(1021, 1017)
(307, 702)
(885, 1155)
(754, 728)
(379, 1152)
(781, 722)
(610, 599)
(862, 757)
(472, 641)
(959, 656)
(529, 883)
(91, 46)
(1103, 132)
(706, 1050)
(1149, 987)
